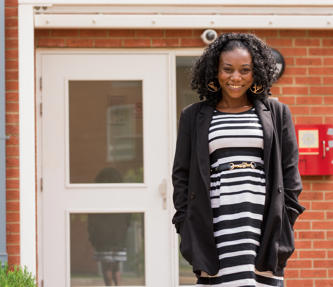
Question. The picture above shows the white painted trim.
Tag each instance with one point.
(184, 21)
(27, 138)
(180, 3)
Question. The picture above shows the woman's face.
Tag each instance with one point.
(235, 73)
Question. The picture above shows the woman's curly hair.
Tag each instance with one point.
(205, 70)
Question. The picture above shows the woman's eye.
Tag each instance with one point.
(245, 71)
(228, 70)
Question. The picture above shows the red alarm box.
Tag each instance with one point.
(315, 143)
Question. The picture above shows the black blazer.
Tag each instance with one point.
(191, 180)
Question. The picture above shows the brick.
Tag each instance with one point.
(279, 42)
(13, 195)
(299, 110)
(323, 244)
(165, 42)
(104, 43)
(137, 43)
(311, 235)
(12, 172)
(322, 205)
(327, 42)
(328, 61)
(14, 249)
(13, 238)
(265, 33)
(12, 205)
(293, 51)
(94, 33)
(328, 100)
(322, 225)
(12, 129)
(322, 110)
(294, 71)
(328, 80)
(312, 254)
(12, 217)
(12, 227)
(295, 90)
(320, 33)
(328, 195)
(12, 118)
(80, 43)
(12, 150)
(12, 85)
(149, 33)
(64, 33)
(320, 51)
(302, 225)
(285, 80)
(312, 215)
(11, 43)
(11, 54)
(11, 63)
(309, 120)
(293, 33)
(311, 195)
(11, 11)
(308, 61)
(42, 33)
(321, 71)
(307, 42)
(287, 100)
(300, 283)
(189, 42)
(313, 273)
(12, 183)
(309, 100)
(324, 283)
(179, 33)
(328, 90)
(13, 260)
(121, 33)
(291, 273)
(12, 162)
(11, 22)
(328, 120)
(303, 244)
(11, 75)
(299, 263)
(276, 91)
(49, 43)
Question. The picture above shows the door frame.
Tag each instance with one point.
(172, 134)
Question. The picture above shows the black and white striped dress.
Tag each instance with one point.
(237, 199)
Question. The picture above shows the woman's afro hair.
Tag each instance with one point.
(205, 70)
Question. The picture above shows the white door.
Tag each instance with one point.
(104, 166)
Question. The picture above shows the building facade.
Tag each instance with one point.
(93, 94)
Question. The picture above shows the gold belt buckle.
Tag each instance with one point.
(243, 165)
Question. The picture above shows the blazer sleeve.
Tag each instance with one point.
(180, 171)
(291, 178)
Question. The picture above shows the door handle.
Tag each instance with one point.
(162, 188)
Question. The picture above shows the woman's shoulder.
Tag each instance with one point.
(194, 107)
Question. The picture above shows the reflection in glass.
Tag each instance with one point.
(107, 249)
(185, 96)
(105, 131)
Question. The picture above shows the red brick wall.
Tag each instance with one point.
(306, 86)
(12, 129)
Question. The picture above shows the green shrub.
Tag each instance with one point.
(15, 277)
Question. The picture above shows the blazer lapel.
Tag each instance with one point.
(265, 117)
(204, 118)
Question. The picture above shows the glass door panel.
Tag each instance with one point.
(105, 131)
(185, 96)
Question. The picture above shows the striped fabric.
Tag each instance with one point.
(237, 199)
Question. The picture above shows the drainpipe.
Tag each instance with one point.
(3, 251)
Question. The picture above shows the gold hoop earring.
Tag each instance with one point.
(211, 87)
(257, 89)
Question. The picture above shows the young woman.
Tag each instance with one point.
(235, 174)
